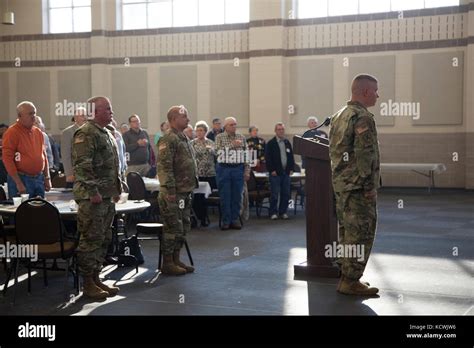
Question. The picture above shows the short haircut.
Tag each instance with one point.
(215, 120)
(251, 128)
(312, 118)
(162, 124)
(3, 125)
(356, 82)
(279, 124)
(132, 116)
(94, 101)
(368, 77)
(23, 103)
(229, 119)
(201, 124)
(176, 110)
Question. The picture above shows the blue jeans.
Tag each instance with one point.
(34, 185)
(279, 186)
(230, 182)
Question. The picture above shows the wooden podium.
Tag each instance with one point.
(321, 221)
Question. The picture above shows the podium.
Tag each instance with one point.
(321, 220)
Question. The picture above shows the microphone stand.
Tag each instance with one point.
(326, 122)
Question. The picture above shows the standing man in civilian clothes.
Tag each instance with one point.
(216, 129)
(355, 164)
(232, 169)
(96, 190)
(177, 173)
(79, 119)
(24, 155)
(280, 164)
(137, 144)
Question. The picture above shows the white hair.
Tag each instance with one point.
(202, 124)
(312, 118)
(22, 104)
(227, 120)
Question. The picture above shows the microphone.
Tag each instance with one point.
(326, 122)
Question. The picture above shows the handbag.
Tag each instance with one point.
(131, 247)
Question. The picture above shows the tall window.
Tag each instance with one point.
(325, 8)
(69, 16)
(141, 14)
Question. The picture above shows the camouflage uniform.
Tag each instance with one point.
(177, 174)
(96, 166)
(355, 164)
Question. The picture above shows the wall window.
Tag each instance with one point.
(69, 16)
(325, 8)
(142, 14)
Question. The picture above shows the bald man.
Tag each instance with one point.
(355, 163)
(177, 173)
(24, 155)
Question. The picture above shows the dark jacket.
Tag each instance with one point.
(273, 158)
(137, 154)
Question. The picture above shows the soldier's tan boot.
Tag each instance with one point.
(111, 290)
(170, 268)
(355, 287)
(93, 291)
(342, 278)
(177, 262)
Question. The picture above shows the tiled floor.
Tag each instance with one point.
(250, 272)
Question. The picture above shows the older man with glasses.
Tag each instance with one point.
(137, 144)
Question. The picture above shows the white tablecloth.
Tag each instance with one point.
(153, 185)
(70, 208)
(397, 167)
(296, 175)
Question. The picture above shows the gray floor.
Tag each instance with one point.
(250, 272)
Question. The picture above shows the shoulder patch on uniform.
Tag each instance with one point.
(361, 129)
(79, 138)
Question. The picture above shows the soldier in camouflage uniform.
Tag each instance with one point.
(178, 178)
(97, 186)
(355, 163)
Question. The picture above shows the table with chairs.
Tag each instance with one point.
(297, 185)
(54, 242)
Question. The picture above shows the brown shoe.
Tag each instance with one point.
(177, 262)
(236, 226)
(111, 290)
(340, 280)
(170, 268)
(225, 227)
(355, 287)
(93, 291)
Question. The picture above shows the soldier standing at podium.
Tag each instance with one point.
(355, 164)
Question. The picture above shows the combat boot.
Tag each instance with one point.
(111, 290)
(355, 287)
(93, 291)
(177, 262)
(170, 268)
(342, 278)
